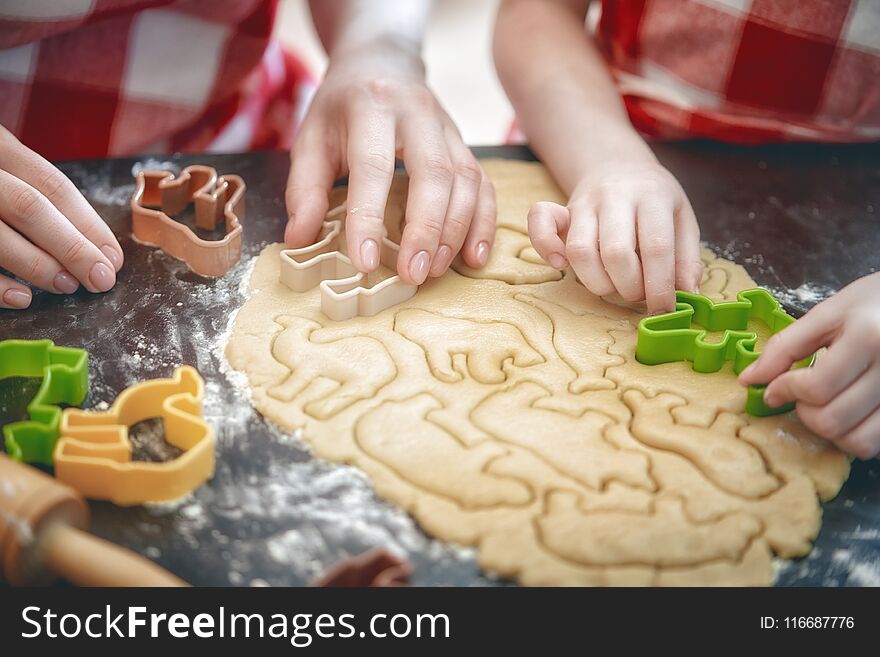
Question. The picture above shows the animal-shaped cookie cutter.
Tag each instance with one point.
(669, 337)
(94, 453)
(345, 292)
(377, 567)
(159, 194)
(65, 374)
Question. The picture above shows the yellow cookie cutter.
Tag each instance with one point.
(94, 453)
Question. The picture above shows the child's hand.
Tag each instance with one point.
(373, 105)
(49, 234)
(838, 398)
(628, 229)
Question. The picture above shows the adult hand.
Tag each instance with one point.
(372, 106)
(49, 234)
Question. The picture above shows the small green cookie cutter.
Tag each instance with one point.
(65, 374)
(669, 337)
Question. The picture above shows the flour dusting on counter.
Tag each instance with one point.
(803, 297)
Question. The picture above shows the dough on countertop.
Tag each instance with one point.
(503, 409)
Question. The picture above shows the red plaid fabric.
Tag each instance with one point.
(747, 71)
(92, 78)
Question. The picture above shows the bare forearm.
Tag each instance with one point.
(627, 226)
(561, 89)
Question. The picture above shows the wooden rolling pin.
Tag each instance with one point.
(42, 537)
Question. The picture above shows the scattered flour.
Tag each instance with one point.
(804, 297)
(104, 194)
(860, 534)
(152, 164)
(850, 566)
(865, 574)
(97, 187)
(859, 572)
(841, 556)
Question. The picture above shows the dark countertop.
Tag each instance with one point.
(802, 219)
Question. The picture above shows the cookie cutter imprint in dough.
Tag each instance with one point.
(345, 292)
(94, 452)
(159, 194)
(377, 567)
(695, 519)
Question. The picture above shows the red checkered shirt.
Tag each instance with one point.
(92, 78)
(747, 70)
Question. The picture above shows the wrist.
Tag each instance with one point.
(609, 140)
(383, 54)
(387, 31)
(598, 152)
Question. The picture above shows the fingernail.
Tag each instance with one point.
(113, 256)
(418, 267)
(441, 260)
(102, 277)
(770, 399)
(370, 255)
(65, 283)
(482, 253)
(17, 298)
(558, 261)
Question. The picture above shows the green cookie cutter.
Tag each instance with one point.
(65, 374)
(670, 338)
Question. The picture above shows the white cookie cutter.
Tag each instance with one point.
(345, 292)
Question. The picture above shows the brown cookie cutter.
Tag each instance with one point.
(159, 194)
(374, 568)
(345, 292)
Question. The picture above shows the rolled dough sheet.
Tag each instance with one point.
(503, 409)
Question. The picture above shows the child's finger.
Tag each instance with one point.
(793, 343)
(13, 294)
(39, 173)
(864, 440)
(431, 174)
(582, 250)
(846, 410)
(617, 247)
(462, 203)
(656, 235)
(371, 136)
(33, 265)
(308, 187)
(548, 222)
(31, 214)
(481, 237)
(833, 373)
(688, 263)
